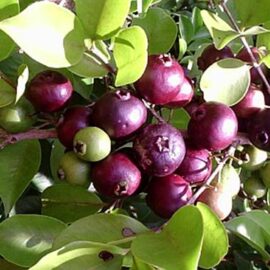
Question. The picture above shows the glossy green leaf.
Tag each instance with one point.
(9, 266)
(83, 256)
(26, 238)
(7, 93)
(103, 228)
(48, 33)
(254, 228)
(214, 235)
(221, 32)
(130, 54)
(179, 118)
(22, 81)
(69, 203)
(161, 35)
(252, 12)
(18, 165)
(8, 8)
(196, 19)
(226, 81)
(93, 62)
(177, 246)
(102, 19)
(186, 28)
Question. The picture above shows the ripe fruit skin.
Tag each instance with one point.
(211, 55)
(184, 95)
(74, 170)
(252, 103)
(160, 149)
(49, 91)
(161, 80)
(212, 126)
(167, 194)
(73, 120)
(196, 166)
(92, 144)
(218, 200)
(255, 156)
(116, 176)
(18, 117)
(119, 113)
(259, 130)
(244, 56)
(254, 187)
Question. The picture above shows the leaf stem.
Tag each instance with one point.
(7, 80)
(255, 63)
(8, 138)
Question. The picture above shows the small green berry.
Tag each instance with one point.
(92, 144)
(74, 170)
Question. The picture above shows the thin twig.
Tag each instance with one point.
(153, 111)
(254, 61)
(7, 80)
(7, 138)
(221, 164)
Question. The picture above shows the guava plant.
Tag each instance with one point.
(134, 134)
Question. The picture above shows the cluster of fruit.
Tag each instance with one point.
(159, 160)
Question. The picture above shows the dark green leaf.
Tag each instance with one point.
(57, 152)
(8, 8)
(103, 228)
(186, 28)
(254, 228)
(18, 165)
(226, 81)
(69, 203)
(102, 19)
(177, 246)
(7, 93)
(50, 34)
(82, 256)
(9, 266)
(161, 35)
(130, 53)
(26, 238)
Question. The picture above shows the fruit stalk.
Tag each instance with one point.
(7, 139)
(245, 43)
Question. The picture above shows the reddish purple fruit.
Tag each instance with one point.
(161, 80)
(184, 95)
(119, 114)
(212, 126)
(73, 120)
(259, 130)
(116, 176)
(196, 166)
(160, 149)
(49, 91)
(167, 194)
(244, 56)
(211, 55)
(251, 103)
